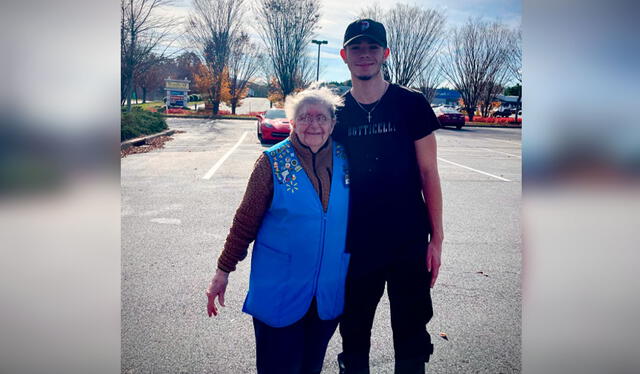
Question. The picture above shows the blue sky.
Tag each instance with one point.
(337, 14)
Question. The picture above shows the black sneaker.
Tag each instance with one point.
(414, 366)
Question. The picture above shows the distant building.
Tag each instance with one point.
(509, 102)
(445, 96)
(258, 90)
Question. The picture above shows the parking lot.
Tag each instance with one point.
(178, 204)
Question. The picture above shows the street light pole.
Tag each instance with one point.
(318, 42)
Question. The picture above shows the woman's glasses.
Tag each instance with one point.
(308, 118)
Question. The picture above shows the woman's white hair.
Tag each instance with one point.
(312, 95)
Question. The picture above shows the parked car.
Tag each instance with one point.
(514, 116)
(273, 125)
(503, 112)
(449, 117)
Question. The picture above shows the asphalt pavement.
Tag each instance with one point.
(178, 204)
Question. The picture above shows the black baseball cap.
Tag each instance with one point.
(366, 28)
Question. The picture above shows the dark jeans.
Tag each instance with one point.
(407, 282)
(294, 349)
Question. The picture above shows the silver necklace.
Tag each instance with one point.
(374, 107)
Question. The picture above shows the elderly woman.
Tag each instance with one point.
(295, 208)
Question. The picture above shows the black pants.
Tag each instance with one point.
(409, 294)
(294, 349)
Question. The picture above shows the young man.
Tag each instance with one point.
(395, 234)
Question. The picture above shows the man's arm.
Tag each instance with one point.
(427, 157)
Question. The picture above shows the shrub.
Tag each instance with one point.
(140, 122)
(180, 110)
(501, 120)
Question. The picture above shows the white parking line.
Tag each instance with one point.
(476, 170)
(504, 153)
(226, 155)
(505, 141)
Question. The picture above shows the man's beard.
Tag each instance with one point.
(367, 77)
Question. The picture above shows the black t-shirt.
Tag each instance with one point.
(387, 212)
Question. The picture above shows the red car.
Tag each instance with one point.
(273, 125)
(449, 117)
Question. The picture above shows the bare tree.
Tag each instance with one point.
(266, 74)
(514, 58)
(474, 53)
(286, 28)
(145, 70)
(243, 66)
(306, 74)
(150, 80)
(144, 39)
(373, 11)
(184, 65)
(492, 88)
(431, 78)
(150, 77)
(497, 79)
(514, 61)
(415, 37)
(212, 27)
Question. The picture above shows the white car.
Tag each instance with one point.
(519, 115)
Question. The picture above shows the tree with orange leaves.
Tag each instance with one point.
(276, 97)
(275, 93)
(205, 83)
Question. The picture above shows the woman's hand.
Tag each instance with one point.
(217, 288)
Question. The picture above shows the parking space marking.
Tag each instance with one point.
(476, 170)
(504, 153)
(505, 141)
(215, 167)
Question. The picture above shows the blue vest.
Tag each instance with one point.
(299, 252)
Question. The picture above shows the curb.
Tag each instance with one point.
(467, 124)
(481, 124)
(207, 117)
(144, 139)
